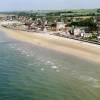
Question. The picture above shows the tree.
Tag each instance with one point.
(87, 22)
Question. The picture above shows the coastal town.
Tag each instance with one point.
(49, 49)
(80, 27)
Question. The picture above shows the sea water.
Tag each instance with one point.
(29, 72)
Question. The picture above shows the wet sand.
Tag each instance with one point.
(87, 51)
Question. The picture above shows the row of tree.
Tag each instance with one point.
(86, 23)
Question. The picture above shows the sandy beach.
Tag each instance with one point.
(87, 51)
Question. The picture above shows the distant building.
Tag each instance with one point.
(98, 10)
(11, 23)
(77, 32)
(98, 37)
(86, 35)
(45, 29)
(98, 21)
(82, 33)
(11, 17)
(60, 26)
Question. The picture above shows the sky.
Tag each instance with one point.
(20, 5)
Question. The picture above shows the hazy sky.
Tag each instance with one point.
(11, 5)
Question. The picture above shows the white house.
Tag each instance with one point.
(60, 26)
(77, 31)
(45, 29)
(98, 37)
(5, 23)
(87, 35)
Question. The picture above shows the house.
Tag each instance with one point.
(98, 37)
(77, 32)
(45, 29)
(86, 35)
(60, 26)
(98, 21)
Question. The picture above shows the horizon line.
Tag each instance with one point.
(49, 9)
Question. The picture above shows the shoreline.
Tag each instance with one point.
(87, 51)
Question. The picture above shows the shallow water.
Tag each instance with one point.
(29, 72)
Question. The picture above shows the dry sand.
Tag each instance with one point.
(87, 51)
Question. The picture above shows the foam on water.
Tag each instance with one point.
(42, 69)
(30, 64)
(18, 49)
(73, 72)
(97, 85)
(23, 52)
(87, 78)
(54, 67)
(48, 62)
(12, 46)
(28, 55)
(57, 70)
(91, 81)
